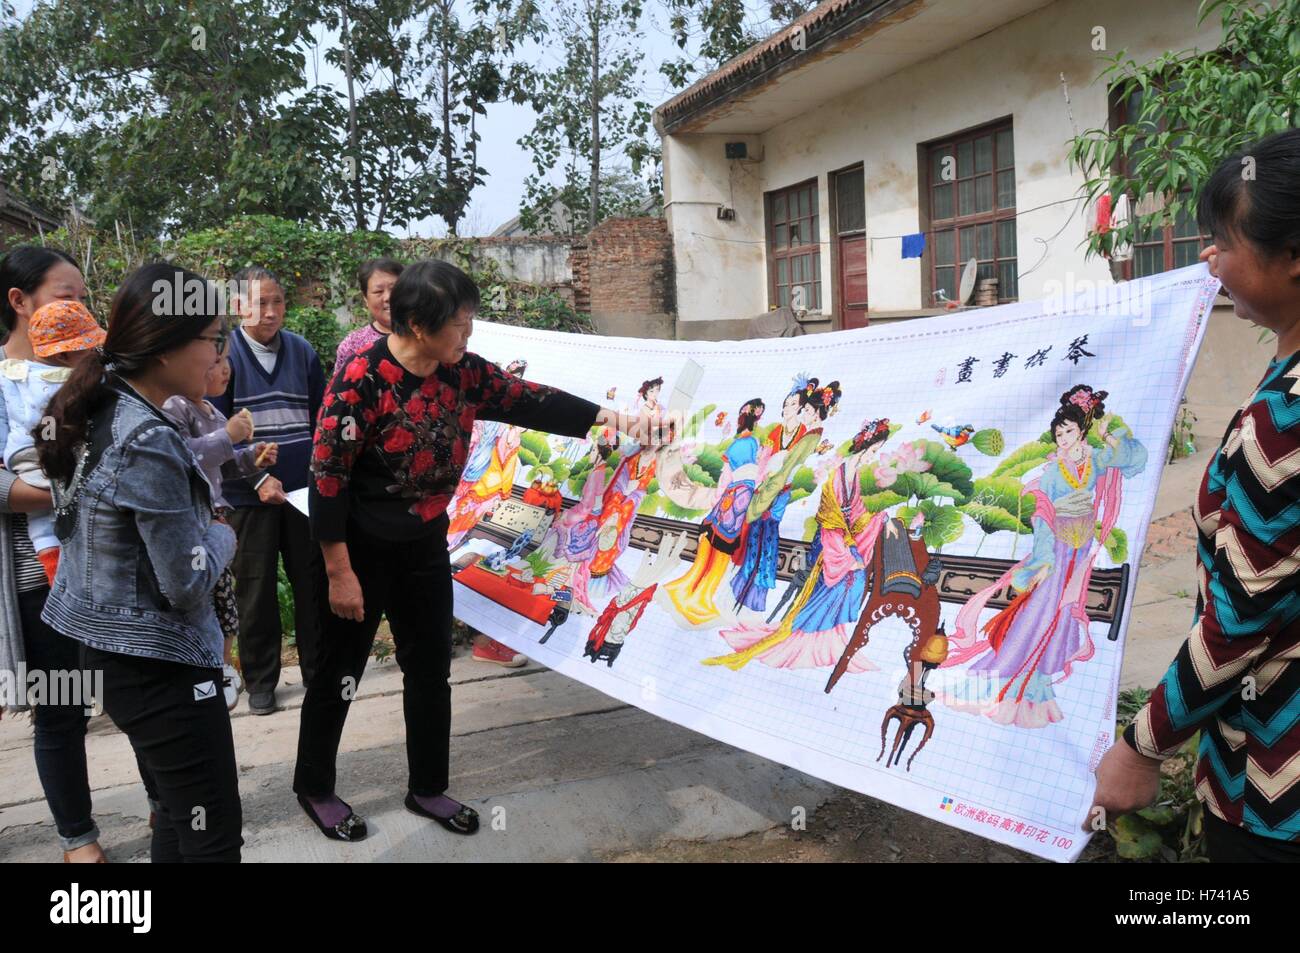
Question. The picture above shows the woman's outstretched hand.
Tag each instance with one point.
(651, 432)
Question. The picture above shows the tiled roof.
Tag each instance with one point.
(826, 21)
(15, 209)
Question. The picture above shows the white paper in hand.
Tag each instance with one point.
(299, 500)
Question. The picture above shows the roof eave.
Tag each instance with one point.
(822, 34)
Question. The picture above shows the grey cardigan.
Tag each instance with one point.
(141, 552)
(11, 627)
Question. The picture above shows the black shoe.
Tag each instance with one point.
(262, 703)
(351, 828)
(464, 821)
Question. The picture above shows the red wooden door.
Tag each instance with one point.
(852, 250)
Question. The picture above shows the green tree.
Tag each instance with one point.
(471, 65)
(173, 115)
(719, 28)
(587, 108)
(167, 114)
(711, 32)
(1193, 108)
(389, 135)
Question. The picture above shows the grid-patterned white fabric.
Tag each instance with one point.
(1027, 787)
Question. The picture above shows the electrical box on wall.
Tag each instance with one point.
(726, 214)
(743, 152)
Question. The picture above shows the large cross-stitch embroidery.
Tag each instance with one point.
(899, 559)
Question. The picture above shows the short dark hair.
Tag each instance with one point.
(387, 266)
(1264, 208)
(253, 273)
(428, 294)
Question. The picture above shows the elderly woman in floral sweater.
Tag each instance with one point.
(391, 440)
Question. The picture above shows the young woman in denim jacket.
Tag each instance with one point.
(142, 555)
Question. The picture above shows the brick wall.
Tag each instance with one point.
(631, 262)
(623, 277)
(580, 265)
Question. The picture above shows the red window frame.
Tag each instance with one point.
(957, 231)
(1159, 248)
(793, 244)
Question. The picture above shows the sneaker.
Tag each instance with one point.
(262, 703)
(231, 685)
(490, 650)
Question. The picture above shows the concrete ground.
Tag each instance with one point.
(561, 772)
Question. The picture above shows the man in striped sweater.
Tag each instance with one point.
(277, 377)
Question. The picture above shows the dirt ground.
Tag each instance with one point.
(853, 828)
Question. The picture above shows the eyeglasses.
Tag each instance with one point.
(218, 340)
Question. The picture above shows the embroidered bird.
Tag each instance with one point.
(923, 418)
(824, 446)
(720, 419)
(609, 394)
(955, 436)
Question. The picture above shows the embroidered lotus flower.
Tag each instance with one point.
(908, 458)
(823, 469)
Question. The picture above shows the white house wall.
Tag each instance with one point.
(719, 266)
(1013, 71)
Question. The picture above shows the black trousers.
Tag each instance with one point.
(60, 729)
(176, 720)
(411, 583)
(1229, 844)
(265, 534)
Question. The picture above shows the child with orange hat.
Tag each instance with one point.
(63, 333)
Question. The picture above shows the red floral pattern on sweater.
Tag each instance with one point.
(385, 435)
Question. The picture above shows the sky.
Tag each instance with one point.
(507, 164)
(497, 201)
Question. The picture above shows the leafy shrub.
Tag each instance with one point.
(321, 329)
(317, 266)
(1172, 829)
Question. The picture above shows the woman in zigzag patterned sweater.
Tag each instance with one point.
(1237, 677)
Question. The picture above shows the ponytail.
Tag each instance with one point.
(140, 327)
(71, 407)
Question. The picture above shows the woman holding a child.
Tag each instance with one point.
(32, 278)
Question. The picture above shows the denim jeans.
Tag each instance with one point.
(60, 730)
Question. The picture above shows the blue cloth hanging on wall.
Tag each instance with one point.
(913, 245)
